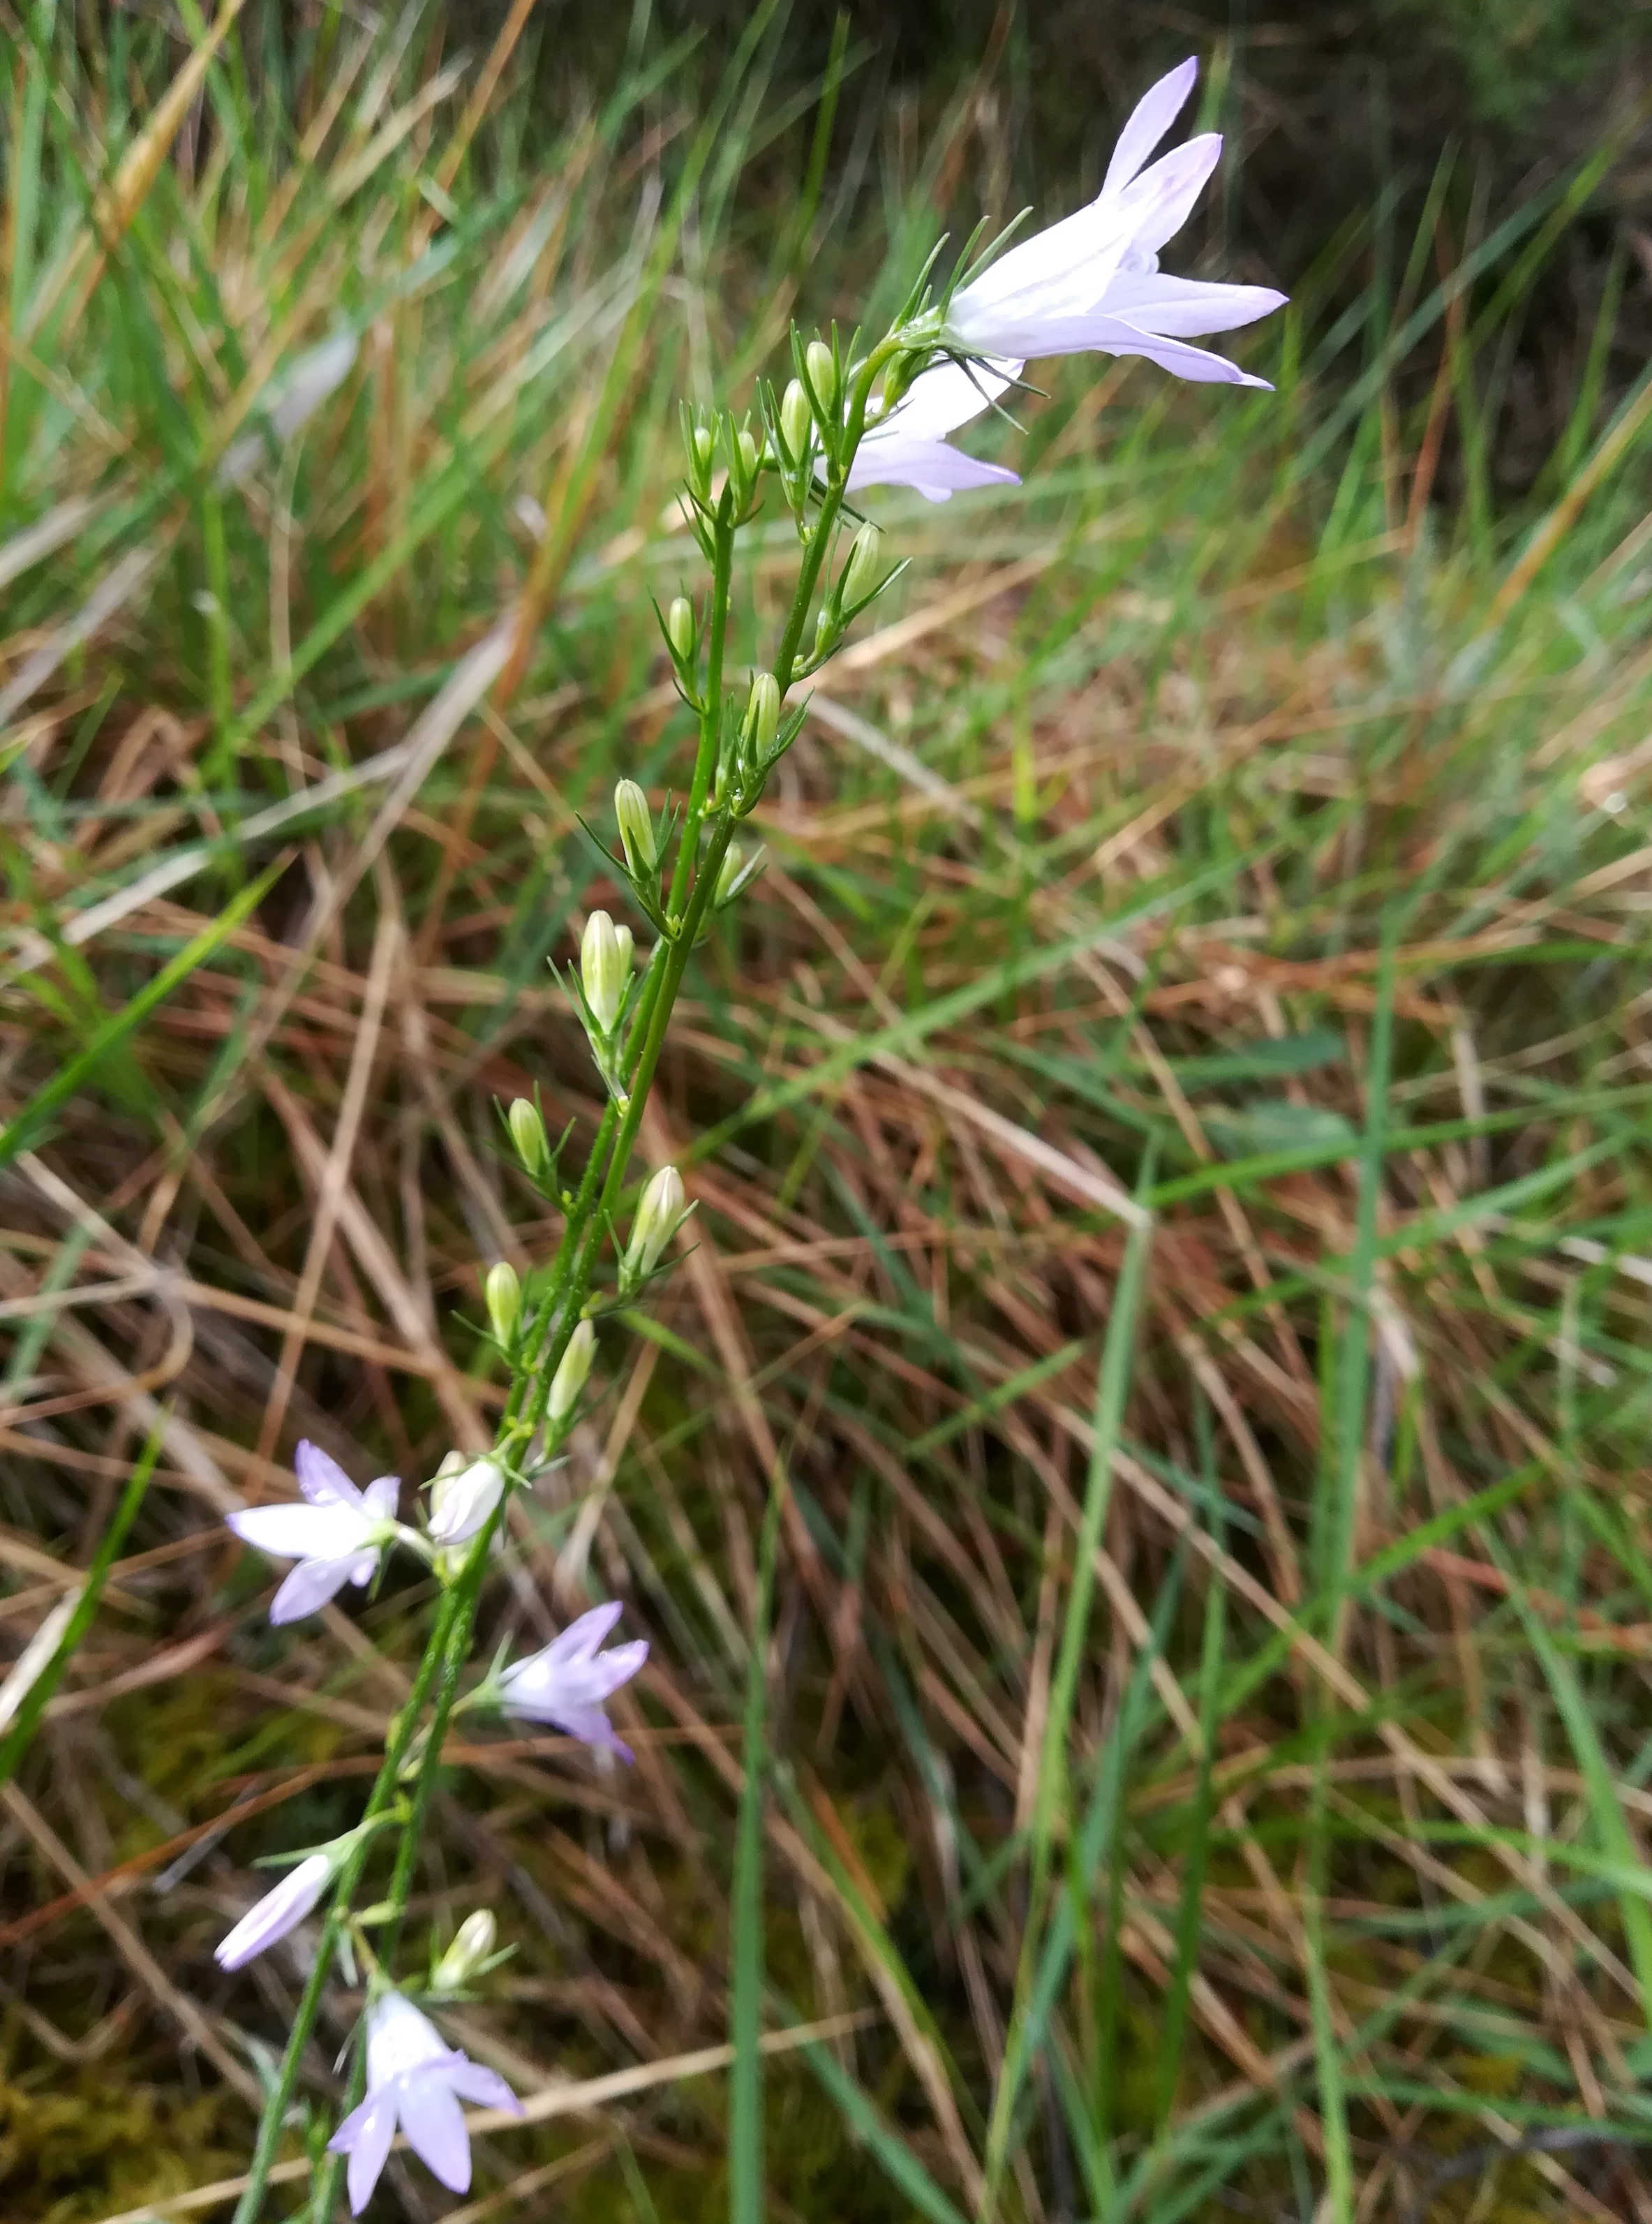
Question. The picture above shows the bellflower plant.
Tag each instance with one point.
(850, 417)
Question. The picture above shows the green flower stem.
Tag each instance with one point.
(705, 760)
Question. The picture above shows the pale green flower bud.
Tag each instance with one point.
(658, 1218)
(822, 373)
(605, 968)
(705, 448)
(527, 1133)
(463, 1498)
(570, 1378)
(679, 628)
(504, 1295)
(866, 562)
(636, 824)
(465, 1956)
(747, 448)
(796, 422)
(728, 874)
(763, 714)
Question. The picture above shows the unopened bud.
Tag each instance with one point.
(657, 1220)
(822, 373)
(504, 1294)
(746, 449)
(763, 714)
(861, 572)
(527, 1133)
(636, 824)
(466, 1956)
(570, 1377)
(705, 449)
(604, 968)
(728, 874)
(796, 422)
(462, 1500)
(679, 628)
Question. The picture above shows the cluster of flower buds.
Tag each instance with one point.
(724, 462)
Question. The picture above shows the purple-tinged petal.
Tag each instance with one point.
(321, 1479)
(591, 1726)
(929, 467)
(400, 2040)
(944, 397)
(1110, 335)
(1160, 202)
(309, 1587)
(1149, 121)
(1186, 309)
(473, 2081)
(434, 2123)
(605, 1674)
(285, 1532)
(1066, 266)
(580, 1639)
(275, 1914)
(365, 2136)
(381, 1496)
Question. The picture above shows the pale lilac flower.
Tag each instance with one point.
(336, 1536)
(1090, 282)
(566, 1682)
(413, 2080)
(909, 448)
(275, 1914)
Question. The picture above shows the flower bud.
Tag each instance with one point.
(504, 1294)
(823, 374)
(728, 875)
(705, 449)
(636, 823)
(658, 1218)
(746, 450)
(527, 1133)
(861, 572)
(679, 628)
(570, 1377)
(462, 1500)
(278, 1911)
(796, 422)
(763, 714)
(465, 1956)
(605, 968)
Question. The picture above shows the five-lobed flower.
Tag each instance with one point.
(1091, 281)
(280, 1910)
(417, 2081)
(338, 1535)
(565, 1683)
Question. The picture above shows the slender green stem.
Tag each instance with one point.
(705, 760)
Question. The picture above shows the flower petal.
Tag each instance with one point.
(285, 1532)
(381, 1496)
(1149, 121)
(581, 1637)
(473, 2081)
(1160, 202)
(1082, 251)
(609, 1669)
(321, 1479)
(309, 1587)
(1183, 308)
(278, 1911)
(929, 467)
(944, 397)
(434, 2123)
(365, 2136)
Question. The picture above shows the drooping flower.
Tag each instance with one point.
(414, 2081)
(338, 1536)
(278, 1911)
(565, 1683)
(1090, 282)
